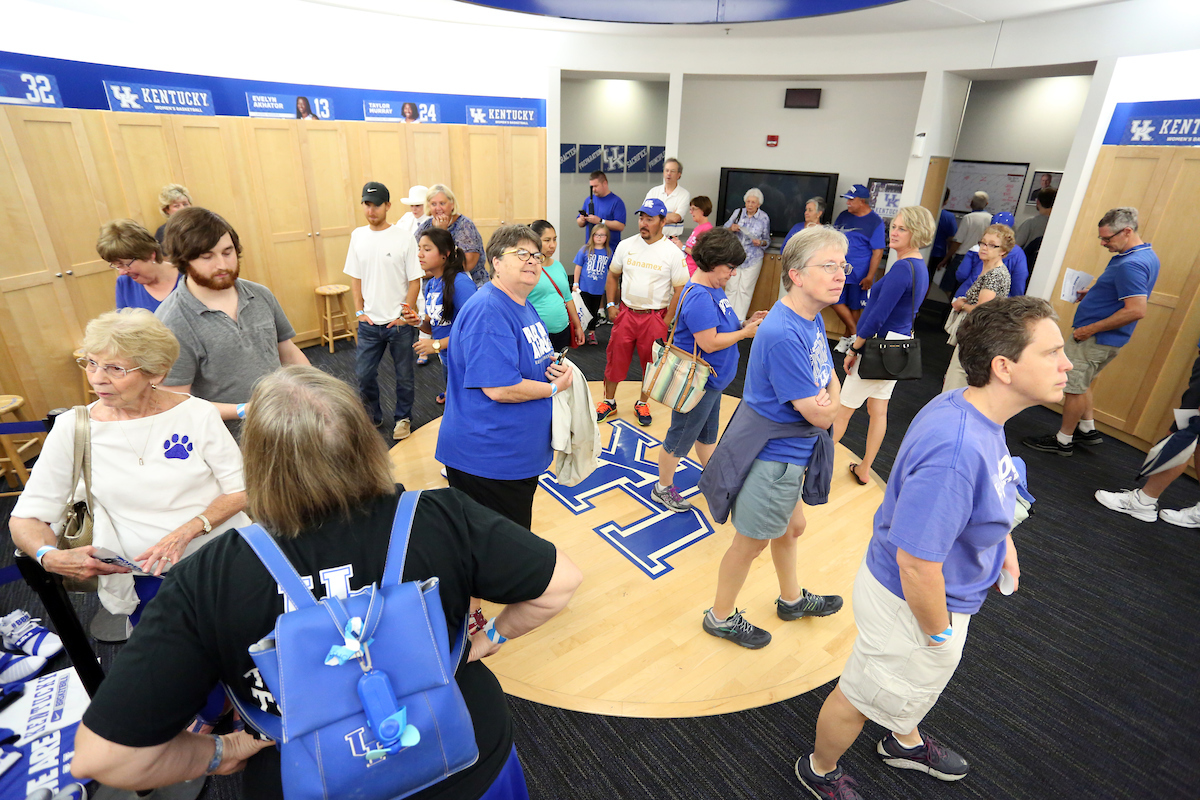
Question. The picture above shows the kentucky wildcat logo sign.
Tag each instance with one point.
(624, 467)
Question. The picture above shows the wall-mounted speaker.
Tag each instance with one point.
(802, 98)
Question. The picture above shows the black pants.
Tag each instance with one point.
(561, 339)
(593, 303)
(512, 499)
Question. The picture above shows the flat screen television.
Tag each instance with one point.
(784, 194)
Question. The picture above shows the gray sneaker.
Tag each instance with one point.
(670, 498)
(736, 629)
(809, 605)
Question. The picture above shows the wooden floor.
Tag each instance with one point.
(631, 642)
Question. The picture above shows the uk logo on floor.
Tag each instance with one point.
(625, 467)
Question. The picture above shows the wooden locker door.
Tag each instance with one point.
(285, 221)
(935, 185)
(524, 179)
(215, 172)
(479, 156)
(333, 199)
(1123, 176)
(41, 167)
(429, 155)
(385, 159)
(147, 160)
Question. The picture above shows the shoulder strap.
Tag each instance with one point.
(393, 570)
(268, 552)
(912, 331)
(678, 308)
(83, 454)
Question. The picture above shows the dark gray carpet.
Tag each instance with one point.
(1082, 685)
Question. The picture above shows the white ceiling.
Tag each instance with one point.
(908, 15)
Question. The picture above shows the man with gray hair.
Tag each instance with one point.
(674, 197)
(970, 231)
(1107, 314)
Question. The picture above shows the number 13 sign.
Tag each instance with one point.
(29, 89)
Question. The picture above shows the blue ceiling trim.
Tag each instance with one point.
(688, 11)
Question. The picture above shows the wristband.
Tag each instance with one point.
(41, 552)
(553, 389)
(856, 350)
(241, 410)
(943, 636)
(610, 305)
(493, 634)
(359, 313)
(218, 754)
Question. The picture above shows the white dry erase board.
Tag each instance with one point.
(1002, 182)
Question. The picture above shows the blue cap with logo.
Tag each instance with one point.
(1003, 218)
(857, 190)
(653, 208)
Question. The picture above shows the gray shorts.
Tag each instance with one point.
(1087, 359)
(767, 499)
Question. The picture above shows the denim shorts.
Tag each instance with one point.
(765, 504)
(698, 425)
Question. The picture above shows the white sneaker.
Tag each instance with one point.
(24, 634)
(444, 475)
(14, 668)
(844, 344)
(1183, 517)
(1127, 502)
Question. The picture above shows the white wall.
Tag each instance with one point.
(608, 112)
(862, 130)
(1031, 120)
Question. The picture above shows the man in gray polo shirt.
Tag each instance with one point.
(231, 332)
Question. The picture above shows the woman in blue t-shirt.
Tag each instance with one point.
(551, 298)
(890, 312)
(145, 279)
(591, 273)
(705, 320)
(447, 288)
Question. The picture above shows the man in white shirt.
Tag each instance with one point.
(416, 210)
(970, 231)
(649, 271)
(384, 277)
(674, 197)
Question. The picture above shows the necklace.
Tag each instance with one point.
(141, 457)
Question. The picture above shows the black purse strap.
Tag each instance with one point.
(912, 330)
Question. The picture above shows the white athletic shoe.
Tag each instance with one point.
(844, 344)
(14, 668)
(1183, 517)
(24, 634)
(1127, 502)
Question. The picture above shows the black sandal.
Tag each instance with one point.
(854, 475)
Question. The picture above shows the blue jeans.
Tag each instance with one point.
(373, 340)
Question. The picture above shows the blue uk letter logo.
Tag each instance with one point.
(624, 467)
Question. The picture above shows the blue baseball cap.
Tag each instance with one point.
(857, 190)
(1003, 218)
(653, 208)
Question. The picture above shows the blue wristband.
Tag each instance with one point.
(553, 389)
(218, 754)
(241, 410)
(943, 636)
(493, 634)
(41, 551)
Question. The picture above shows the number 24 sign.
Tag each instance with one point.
(29, 89)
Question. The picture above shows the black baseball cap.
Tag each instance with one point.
(377, 193)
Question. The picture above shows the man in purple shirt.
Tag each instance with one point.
(1107, 314)
(942, 538)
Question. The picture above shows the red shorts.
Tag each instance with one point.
(633, 329)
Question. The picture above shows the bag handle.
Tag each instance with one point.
(82, 466)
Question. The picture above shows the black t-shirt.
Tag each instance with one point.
(221, 599)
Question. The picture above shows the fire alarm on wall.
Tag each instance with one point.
(772, 141)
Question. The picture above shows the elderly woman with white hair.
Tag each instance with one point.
(165, 474)
(172, 198)
(441, 205)
(753, 227)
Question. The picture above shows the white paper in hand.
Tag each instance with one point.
(1073, 283)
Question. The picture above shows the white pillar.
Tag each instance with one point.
(553, 139)
(674, 112)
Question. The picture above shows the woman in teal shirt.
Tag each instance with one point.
(551, 298)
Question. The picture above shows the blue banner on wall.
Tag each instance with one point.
(288, 106)
(29, 89)
(636, 157)
(567, 154)
(400, 111)
(76, 84)
(656, 158)
(145, 98)
(614, 158)
(590, 158)
(1173, 123)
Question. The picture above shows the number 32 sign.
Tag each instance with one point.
(29, 89)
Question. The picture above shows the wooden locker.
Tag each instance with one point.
(333, 197)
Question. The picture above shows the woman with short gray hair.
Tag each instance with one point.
(753, 228)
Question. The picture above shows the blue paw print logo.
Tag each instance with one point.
(177, 447)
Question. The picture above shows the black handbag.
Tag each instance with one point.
(893, 359)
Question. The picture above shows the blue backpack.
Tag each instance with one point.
(370, 708)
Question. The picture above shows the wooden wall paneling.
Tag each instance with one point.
(766, 290)
(332, 197)
(1123, 176)
(935, 184)
(385, 155)
(95, 124)
(285, 219)
(147, 160)
(218, 176)
(38, 323)
(524, 182)
(429, 155)
(483, 173)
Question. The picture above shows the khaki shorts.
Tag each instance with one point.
(1087, 359)
(856, 390)
(893, 676)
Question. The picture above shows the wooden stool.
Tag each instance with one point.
(12, 463)
(336, 324)
(89, 394)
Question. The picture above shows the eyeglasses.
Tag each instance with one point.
(990, 246)
(832, 267)
(111, 370)
(1107, 239)
(526, 255)
(119, 265)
